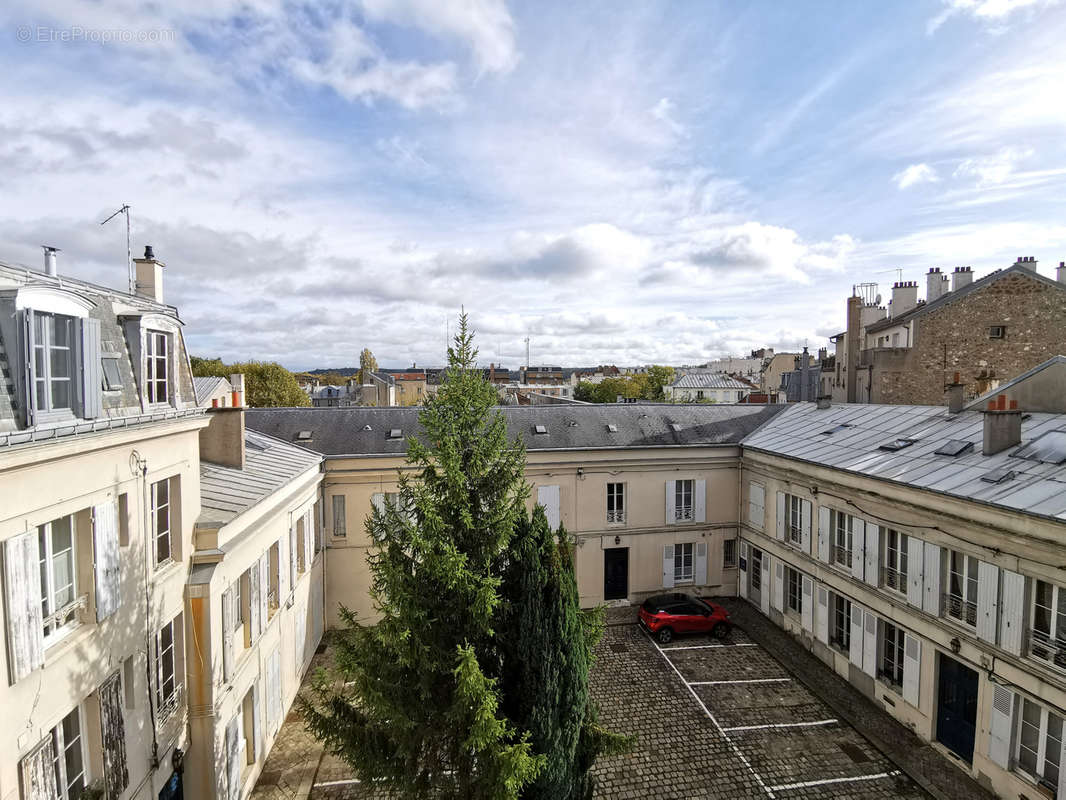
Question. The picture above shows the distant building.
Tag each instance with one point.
(332, 397)
(802, 384)
(545, 376)
(215, 392)
(708, 387)
(777, 365)
(748, 368)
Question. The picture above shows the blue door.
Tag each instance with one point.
(956, 711)
(172, 789)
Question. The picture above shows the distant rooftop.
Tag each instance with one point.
(709, 380)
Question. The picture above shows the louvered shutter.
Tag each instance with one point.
(340, 520)
(273, 692)
(764, 593)
(777, 599)
(700, 566)
(668, 566)
(700, 500)
(264, 591)
(858, 548)
(283, 570)
(823, 534)
(300, 639)
(309, 538)
(987, 601)
(872, 554)
(227, 633)
(1000, 725)
(781, 516)
(912, 668)
(915, 571)
(869, 644)
(1012, 613)
(756, 504)
(931, 580)
(234, 767)
(292, 556)
(317, 610)
(91, 379)
(743, 573)
(807, 611)
(805, 525)
(29, 368)
(37, 772)
(253, 602)
(105, 551)
(22, 602)
(113, 736)
(821, 618)
(671, 511)
(1062, 772)
(257, 722)
(548, 496)
(855, 649)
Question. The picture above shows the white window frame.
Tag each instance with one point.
(60, 745)
(842, 539)
(152, 383)
(755, 565)
(43, 366)
(1043, 751)
(729, 560)
(681, 552)
(961, 605)
(794, 520)
(616, 503)
(109, 385)
(894, 571)
(273, 579)
(891, 647)
(1049, 646)
(167, 697)
(840, 607)
(58, 621)
(157, 534)
(684, 512)
(237, 587)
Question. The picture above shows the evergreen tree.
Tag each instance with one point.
(415, 706)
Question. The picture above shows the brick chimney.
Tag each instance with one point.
(1003, 426)
(954, 394)
(236, 382)
(149, 275)
(962, 276)
(222, 441)
(904, 297)
(1029, 262)
(1060, 273)
(936, 285)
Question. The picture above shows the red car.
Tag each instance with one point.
(666, 615)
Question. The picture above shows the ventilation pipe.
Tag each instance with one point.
(50, 259)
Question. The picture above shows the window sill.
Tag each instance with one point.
(164, 568)
(684, 581)
(56, 648)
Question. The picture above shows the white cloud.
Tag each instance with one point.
(993, 170)
(664, 112)
(914, 175)
(990, 12)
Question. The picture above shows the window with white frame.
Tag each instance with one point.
(112, 376)
(683, 491)
(892, 642)
(157, 366)
(69, 756)
(756, 569)
(168, 668)
(683, 562)
(616, 503)
(894, 572)
(841, 527)
(794, 519)
(54, 361)
(961, 598)
(57, 549)
(1047, 637)
(840, 629)
(793, 590)
(248, 727)
(340, 522)
(1039, 744)
(729, 553)
(164, 550)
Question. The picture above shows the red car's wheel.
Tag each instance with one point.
(665, 636)
(720, 631)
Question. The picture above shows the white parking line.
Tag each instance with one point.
(782, 725)
(784, 787)
(748, 680)
(709, 646)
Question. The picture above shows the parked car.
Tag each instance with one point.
(667, 615)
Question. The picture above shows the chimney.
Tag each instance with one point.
(954, 394)
(222, 441)
(50, 259)
(236, 382)
(1060, 273)
(824, 401)
(1029, 262)
(904, 297)
(962, 276)
(149, 276)
(1003, 426)
(934, 285)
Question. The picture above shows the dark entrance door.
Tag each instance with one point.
(956, 708)
(616, 573)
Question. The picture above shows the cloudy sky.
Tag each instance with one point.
(623, 182)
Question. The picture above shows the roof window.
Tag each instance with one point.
(998, 475)
(1048, 449)
(838, 428)
(303, 436)
(954, 447)
(612, 428)
(540, 429)
(396, 433)
(675, 427)
(897, 444)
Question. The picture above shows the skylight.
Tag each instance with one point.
(396, 433)
(954, 447)
(540, 429)
(897, 444)
(367, 428)
(1048, 449)
(675, 427)
(303, 436)
(612, 429)
(838, 428)
(998, 475)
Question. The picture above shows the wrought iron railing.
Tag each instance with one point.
(683, 513)
(67, 614)
(616, 517)
(170, 705)
(894, 579)
(1046, 648)
(960, 609)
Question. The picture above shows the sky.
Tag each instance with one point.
(622, 182)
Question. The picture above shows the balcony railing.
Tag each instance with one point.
(1046, 648)
(170, 705)
(72, 612)
(683, 514)
(894, 579)
(616, 517)
(960, 609)
(840, 556)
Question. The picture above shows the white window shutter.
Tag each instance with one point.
(912, 668)
(764, 590)
(742, 574)
(931, 580)
(22, 602)
(807, 611)
(1062, 772)
(253, 602)
(264, 591)
(805, 525)
(234, 767)
(781, 516)
(283, 570)
(29, 369)
(257, 722)
(300, 640)
(777, 599)
(228, 598)
(873, 554)
(548, 496)
(858, 548)
(1000, 725)
(821, 618)
(1012, 614)
(855, 649)
(274, 704)
(105, 552)
(38, 772)
(113, 736)
(915, 571)
(869, 644)
(699, 502)
(823, 534)
(91, 379)
(668, 566)
(987, 601)
(700, 565)
(292, 556)
(756, 504)
(670, 510)
(377, 500)
(309, 538)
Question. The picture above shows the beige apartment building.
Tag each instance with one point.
(917, 551)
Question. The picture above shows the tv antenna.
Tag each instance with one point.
(129, 253)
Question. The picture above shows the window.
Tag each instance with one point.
(756, 504)
(168, 669)
(683, 500)
(682, 562)
(112, 377)
(793, 519)
(157, 376)
(274, 560)
(616, 503)
(894, 572)
(161, 520)
(237, 587)
(69, 761)
(794, 590)
(248, 727)
(729, 553)
(961, 599)
(841, 527)
(756, 569)
(840, 634)
(340, 524)
(1039, 743)
(895, 340)
(997, 332)
(58, 564)
(699, 395)
(1047, 639)
(301, 544)
(53, 361)
(892, 640)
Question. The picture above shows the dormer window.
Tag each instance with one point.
(157, 376)
(53, 361)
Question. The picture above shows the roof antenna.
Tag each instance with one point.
(129, 253)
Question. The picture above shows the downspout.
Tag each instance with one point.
(140, 465)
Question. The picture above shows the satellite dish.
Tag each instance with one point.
(877, 300)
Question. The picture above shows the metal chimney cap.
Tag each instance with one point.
(49, 249)
(148, 254)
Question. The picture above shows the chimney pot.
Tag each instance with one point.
(50, 259)
(149, 276)
(148, 252)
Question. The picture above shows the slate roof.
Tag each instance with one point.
(344, 431)
(226, 492)
(950, 297)
(1037, 488)
(709, 380)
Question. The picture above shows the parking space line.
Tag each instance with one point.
(709, 646)
(747, 680)
(784, 787)
(782, 725)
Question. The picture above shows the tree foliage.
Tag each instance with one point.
(267, 384)
(644, 386)
(367, 363)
